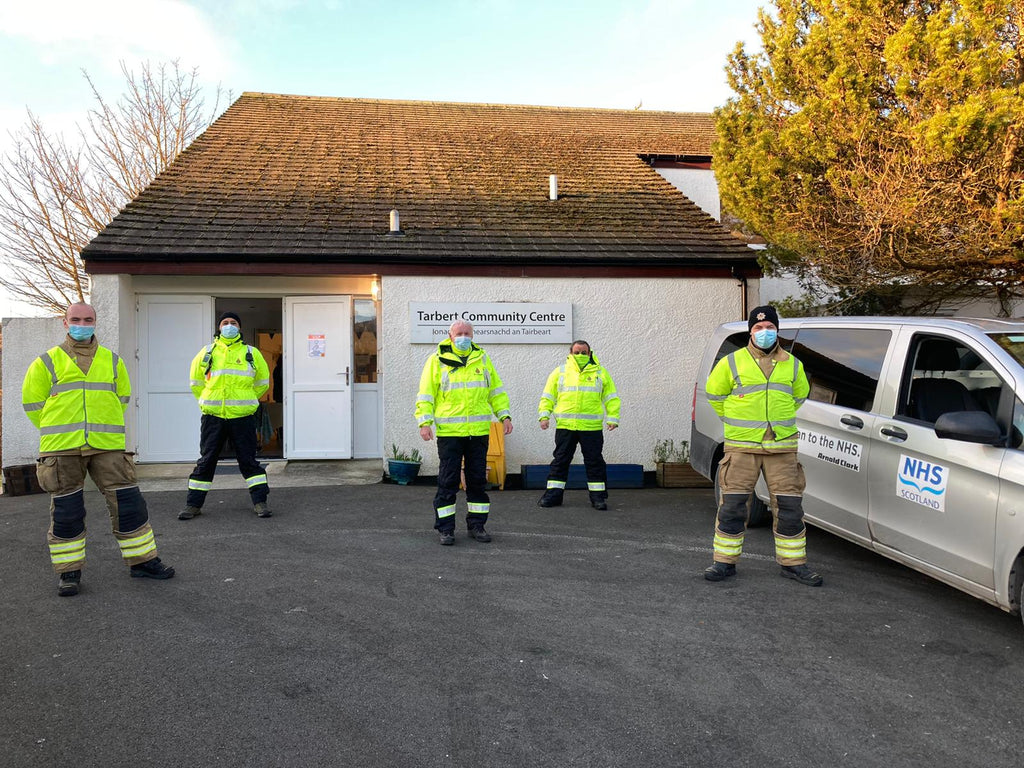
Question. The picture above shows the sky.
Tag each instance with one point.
(620, 54)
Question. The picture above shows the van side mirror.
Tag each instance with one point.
(969, 427)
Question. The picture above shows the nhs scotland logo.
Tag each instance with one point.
(922, 482)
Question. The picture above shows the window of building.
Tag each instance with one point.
(843, 364)
(364, 340)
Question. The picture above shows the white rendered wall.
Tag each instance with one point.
(699, 185)
(24, 340)
(650, 333)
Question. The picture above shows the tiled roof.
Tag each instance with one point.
(294, 179)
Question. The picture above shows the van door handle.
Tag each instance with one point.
(853, 421)
(895, 432)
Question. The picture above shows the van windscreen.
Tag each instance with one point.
(1012, 343)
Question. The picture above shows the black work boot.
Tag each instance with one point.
(152, 569)
(189, 512)
(446, 538)
(598, 503)
(477, 532)
(550, 499)
(68, 583)
(719, 571)
(802, 574)
(261, 509)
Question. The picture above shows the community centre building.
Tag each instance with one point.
(349, 233)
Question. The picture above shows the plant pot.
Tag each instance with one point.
(403, 472)
(674, 474)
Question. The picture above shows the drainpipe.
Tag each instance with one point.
(743, 297)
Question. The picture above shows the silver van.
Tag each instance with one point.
(911, 441)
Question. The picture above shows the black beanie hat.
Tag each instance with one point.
(760, 314)
(225, 315)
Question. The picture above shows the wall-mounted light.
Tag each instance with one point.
(375, 289)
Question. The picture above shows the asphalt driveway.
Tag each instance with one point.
(338, 633)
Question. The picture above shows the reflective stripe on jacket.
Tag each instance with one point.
(579, 400)
(460, 395)
(225, 384)
(73, 409)
(748, 403)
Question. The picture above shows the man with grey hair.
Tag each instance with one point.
(76, 394)
(460, 394)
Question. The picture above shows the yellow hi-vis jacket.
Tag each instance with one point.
(748, 403)
(228, 377)
(459, 394)
(579, 399)
(73, 409)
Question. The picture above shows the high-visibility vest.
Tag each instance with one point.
(228, 378)
(460, 395)
(578, 399)
(748, 402)
(73, 409)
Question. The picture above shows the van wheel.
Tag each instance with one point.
(758, 514)
(1020, 599)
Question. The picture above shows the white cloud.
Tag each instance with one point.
(101, 33)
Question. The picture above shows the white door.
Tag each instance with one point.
(317, 374)
(171, 330)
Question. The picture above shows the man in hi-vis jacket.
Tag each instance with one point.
(581, 396)
(756, 392)
(460, 394)
(76, 394)
(228, 377)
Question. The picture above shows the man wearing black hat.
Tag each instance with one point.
(228, 377)
(756, 392)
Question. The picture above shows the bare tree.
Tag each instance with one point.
(56, 195)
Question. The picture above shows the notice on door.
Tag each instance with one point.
(832, 450)
(493, 323)
(317, 344)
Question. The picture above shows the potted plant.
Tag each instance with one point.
(672, 466)
(403, 466)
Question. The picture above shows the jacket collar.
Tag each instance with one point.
(228, 342)
(571, 361)
(778, 354)
(447, 354)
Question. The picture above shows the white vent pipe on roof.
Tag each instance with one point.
(552, 187)
(394, 221)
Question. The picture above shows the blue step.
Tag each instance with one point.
(619, 476)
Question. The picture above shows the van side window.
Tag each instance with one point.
(944, 375)
(740, 340)
(843, 364)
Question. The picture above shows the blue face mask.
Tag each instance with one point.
(463, 343)
(81, 332)
(230, 331)
(766, 339)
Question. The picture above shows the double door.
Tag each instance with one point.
(316, 375)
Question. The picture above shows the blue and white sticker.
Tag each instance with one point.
(922, 482)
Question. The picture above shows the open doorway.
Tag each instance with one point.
(261, 328)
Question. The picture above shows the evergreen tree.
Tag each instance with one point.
(877, 145)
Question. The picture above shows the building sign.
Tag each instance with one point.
(494, 323)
